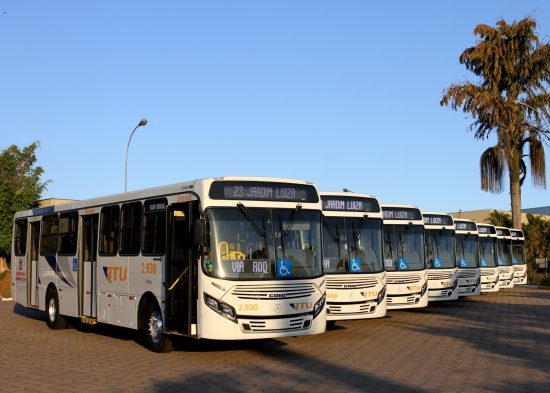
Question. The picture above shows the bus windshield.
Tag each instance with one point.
(440, 249)
(352, 245)
(263, 243)
(518, 249)
(466, 251)
(403, 247)
(504, 252)
(488, 252)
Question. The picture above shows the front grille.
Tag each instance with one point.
(349, 309)
(275, 325)
(401, 300)
(463, 274)
(273, 292)
(403, 279)
(440, 276)
(488, 273)
(355, 283)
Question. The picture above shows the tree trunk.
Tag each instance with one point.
(515, 196)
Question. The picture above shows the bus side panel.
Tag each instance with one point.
(19, 276)
(47, 274)
(115, 305)
(67, 279)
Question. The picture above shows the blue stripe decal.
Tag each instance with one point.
(52, 261)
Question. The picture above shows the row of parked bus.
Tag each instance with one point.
(246, 257)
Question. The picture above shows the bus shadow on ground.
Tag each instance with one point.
(290, 371)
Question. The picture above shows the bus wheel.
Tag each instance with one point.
(54, 320)
(156, 340)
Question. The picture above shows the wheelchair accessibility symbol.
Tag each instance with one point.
(355, 265)
(403, 264)
(463, 262)
(437, 262)
(483, 262)
(284, 268)
(515, 260)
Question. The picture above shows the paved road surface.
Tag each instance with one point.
(490, 343)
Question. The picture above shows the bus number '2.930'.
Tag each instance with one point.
(148, 268)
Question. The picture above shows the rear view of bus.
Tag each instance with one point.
(488, 258)
(406, 273)
(352, 252)
(467, 258)
(505, 265)
(518, 256)
(440, 256)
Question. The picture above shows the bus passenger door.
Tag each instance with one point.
(32, 282)
(88, 281)
(180, 272)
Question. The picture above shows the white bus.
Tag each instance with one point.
(467, 258)
(518, 256)
(406, 273)
(440, 256)
(352, 253)
(220, 258)
(505, 265)
(488, 258)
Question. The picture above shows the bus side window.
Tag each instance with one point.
(130, 228)
(49, 235)
(154, 227)
(68, 233)
(108, 234)
(20, 238)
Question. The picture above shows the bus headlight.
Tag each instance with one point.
(424, 289)
(381, 295)
(319, 306)
(225, 310)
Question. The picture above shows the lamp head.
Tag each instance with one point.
(142, 122)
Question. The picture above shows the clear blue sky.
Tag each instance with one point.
(342, 93)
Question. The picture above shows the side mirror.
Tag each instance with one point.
(198, 231)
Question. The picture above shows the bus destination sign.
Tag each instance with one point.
(349, 204)
(486, 230)
(437, 219)
(263, 191)
(503, 232)
(465, 226)
(401, 213)
(516, 233)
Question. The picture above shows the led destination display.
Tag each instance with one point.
(263, 191)
(486, 230)
(349, 204)
(503, 232)
(437, 219)
(401, 213)
(465, 226)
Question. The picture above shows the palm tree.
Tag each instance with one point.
(511, 100)
(500, 219)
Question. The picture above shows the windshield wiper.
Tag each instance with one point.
(291, 220)
(246, 213)
(357, 234)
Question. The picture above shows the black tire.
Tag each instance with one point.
(330, 324)
(155, 339)
(54, 320)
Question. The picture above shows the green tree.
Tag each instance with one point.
(500, 219)
(509, 99)
(20, 188)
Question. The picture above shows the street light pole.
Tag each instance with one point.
(141, 123)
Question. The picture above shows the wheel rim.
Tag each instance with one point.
(155, 327)
(52, 310)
